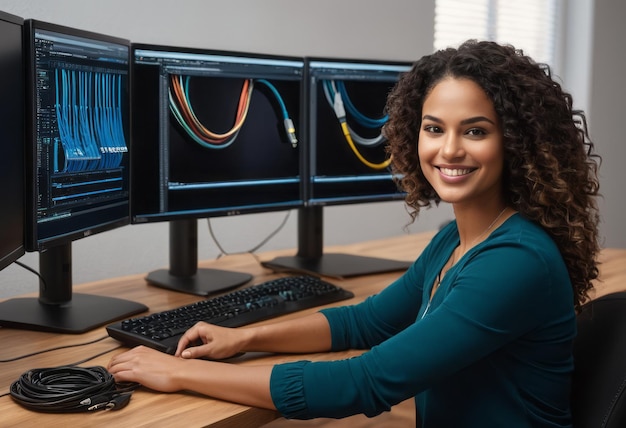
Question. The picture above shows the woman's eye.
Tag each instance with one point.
(475, 132)
(432, 129)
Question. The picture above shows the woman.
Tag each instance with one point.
(479, 330)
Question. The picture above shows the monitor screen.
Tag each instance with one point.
(77, 160)
(215, 133)
(11, 140)
(344, 103)
(346, 111)
(78, 125)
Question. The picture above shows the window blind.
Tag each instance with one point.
(530, 25)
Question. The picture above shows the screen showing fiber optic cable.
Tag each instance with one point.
(347, 113)
(81, 132)
(216, 134)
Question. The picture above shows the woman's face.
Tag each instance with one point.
(460, 144)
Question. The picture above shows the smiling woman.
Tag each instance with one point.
(549, 166)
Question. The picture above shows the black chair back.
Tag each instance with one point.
(599, 381)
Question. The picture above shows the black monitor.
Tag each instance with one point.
(11, 140)
(347, 163)
(216, 133)
(77, 161)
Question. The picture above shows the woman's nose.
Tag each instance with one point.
(452, 146)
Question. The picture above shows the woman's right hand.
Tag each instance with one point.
(211, 341)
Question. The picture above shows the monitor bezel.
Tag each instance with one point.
(13, 19)
(18, 251)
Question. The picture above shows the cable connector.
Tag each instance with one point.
(105, 402)
(340, 110)
(291, 132)
(119, 402)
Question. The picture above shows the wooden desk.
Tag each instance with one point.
(148, 408)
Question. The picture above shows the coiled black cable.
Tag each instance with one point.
(68, 389)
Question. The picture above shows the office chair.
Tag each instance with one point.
(599, 380)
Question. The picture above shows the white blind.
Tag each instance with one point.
(530, 25)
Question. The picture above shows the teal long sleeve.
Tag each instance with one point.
(493, 348)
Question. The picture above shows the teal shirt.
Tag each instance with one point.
(492, 349)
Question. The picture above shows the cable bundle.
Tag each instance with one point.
(68, 389)
(89, 116)
(181, 108)
(337, 97)
(183, 112)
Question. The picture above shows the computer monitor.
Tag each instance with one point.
(77, 139)
(345, 102)
(11, 140)
(216, 133)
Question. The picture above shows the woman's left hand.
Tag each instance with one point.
(150, 368)
(249, 385)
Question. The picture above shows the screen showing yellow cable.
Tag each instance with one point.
(346, 100)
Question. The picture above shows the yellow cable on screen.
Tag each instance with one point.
(346, 133)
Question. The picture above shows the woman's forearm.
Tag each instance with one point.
(249, 385)
(310, 333)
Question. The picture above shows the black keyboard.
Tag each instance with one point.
(270, 299)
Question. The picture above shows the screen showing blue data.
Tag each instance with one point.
(80, 129)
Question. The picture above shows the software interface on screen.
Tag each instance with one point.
(80, 131)
(215, 134)
(346, 102)
(11, 140)
(77, 160)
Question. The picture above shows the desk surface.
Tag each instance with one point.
(154, 409)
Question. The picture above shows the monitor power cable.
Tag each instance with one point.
(252, 250)
(56, 348)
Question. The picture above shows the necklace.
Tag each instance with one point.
(495, 220)
(443, 270)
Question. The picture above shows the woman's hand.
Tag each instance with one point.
(152, 369)
(166, 373)
(211, 341)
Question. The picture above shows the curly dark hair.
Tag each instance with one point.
(550, 168)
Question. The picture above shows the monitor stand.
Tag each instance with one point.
(57, 309)
(311, 259)
(183, 274)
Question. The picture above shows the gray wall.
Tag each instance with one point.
(395, 29)
(607, 113)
